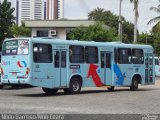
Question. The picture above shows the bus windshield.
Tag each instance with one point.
(15, 47)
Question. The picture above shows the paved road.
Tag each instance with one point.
(90, 101)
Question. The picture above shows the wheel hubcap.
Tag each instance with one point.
(75, 86)
(135, 83)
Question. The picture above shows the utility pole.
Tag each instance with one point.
(120, 22)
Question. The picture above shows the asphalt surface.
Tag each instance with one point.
(89, 101)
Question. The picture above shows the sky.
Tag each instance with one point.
(79, 9)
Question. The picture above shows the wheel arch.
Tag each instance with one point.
(76, 76)
(139, 78)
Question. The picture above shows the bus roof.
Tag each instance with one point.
(76, 42)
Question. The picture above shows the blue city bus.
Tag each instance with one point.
(55, 64)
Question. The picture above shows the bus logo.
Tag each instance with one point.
(21, 64)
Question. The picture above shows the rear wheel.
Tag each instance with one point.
(75, 86)
(134, 85)
(50, 91)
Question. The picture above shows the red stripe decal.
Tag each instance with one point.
(92, 72)
(19, 64)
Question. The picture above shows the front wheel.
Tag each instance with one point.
(75, 86)
(134, 85)
(50, 91)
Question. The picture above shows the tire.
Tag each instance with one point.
(134, 85)
(1, 86)
(111, 88)
(75, 86)
(50, 91)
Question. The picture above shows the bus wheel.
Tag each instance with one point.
(1, 86)
(75, 86)
(50, 91)
(111, 88)
(134, 85)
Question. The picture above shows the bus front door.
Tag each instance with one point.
(106, 68)
(149, 78)
(60, 65)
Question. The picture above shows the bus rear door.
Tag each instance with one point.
(60, 68)
(149, 75)
(106, 73)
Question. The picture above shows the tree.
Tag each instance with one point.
(107, 17)
(6, 19)
(136, 15)
(18, 31)
(156, 9)
(111, 20)
(96, 32)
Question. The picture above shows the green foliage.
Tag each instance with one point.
(18, 31)
(145, 38)
(6, 19)
(111, 20)
(156, 38)
(95, 32)
(157, 18)
(156, 29)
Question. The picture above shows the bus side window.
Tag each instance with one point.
(76, 54)
(42, 53)
(124, 56)
(91, 54)
(137, 56)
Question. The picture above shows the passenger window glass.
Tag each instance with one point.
(91, 54)
(76, 54)
(137, 56)
(124, 56)
(42, 53)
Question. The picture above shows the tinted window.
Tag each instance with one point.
(105, 61)
(91, 54)
(156, 62)
(63, 59)
(56, 59)
(137, 56)
(42, 33)
(42, 53)
(123, 56)
(76, 54)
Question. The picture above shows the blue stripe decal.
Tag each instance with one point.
(120, 76)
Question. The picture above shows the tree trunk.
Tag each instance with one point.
(135, 28)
